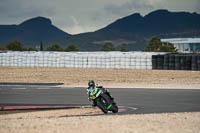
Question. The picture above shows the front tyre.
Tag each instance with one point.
(110, 101)
(114, 108)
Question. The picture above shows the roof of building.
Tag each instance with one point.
(181, 40)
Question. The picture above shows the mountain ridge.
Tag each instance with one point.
(132, 32)
(32, 31)
(139, 29)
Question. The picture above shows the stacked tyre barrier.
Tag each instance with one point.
(176, 62)
(118, 60)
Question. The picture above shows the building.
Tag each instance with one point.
(186, 45)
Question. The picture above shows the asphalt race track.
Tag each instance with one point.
(135, 100)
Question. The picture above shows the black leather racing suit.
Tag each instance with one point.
(91, 89)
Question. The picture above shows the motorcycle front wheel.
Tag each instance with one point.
(114, 108)
(109, 101)
(101, 103)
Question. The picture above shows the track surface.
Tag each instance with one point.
(145, 100)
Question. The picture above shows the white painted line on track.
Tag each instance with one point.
(133, 108)
(66, 88)
(27, 85)
(18, 88)
(43, 88)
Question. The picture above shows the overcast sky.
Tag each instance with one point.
(77, 16)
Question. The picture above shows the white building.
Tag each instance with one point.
(184, 44)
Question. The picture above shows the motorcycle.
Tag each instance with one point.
(103, 99)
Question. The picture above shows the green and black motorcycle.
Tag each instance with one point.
(102, 98)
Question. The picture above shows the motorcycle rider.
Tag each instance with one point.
(91, 87)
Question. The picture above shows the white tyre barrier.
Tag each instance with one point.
(117, 60)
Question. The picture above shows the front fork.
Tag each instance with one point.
(108, 93)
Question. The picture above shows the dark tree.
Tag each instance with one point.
(55, 47)
(31, 49)
(41, 46)
(15, 46)
(71, 48)
(108, 47)
(124, 50)
(155, 45)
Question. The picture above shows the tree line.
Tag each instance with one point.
(18, 46)
(154, 45)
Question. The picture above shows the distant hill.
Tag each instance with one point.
(32, 31)
(132, 32)
(135, 31)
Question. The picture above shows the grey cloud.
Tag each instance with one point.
(60, 12)
(197, 6)
(75, 16)
(14, 11)
(128, 7)
(178, 5)
(113, 11)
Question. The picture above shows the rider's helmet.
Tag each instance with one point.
(91, 83)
